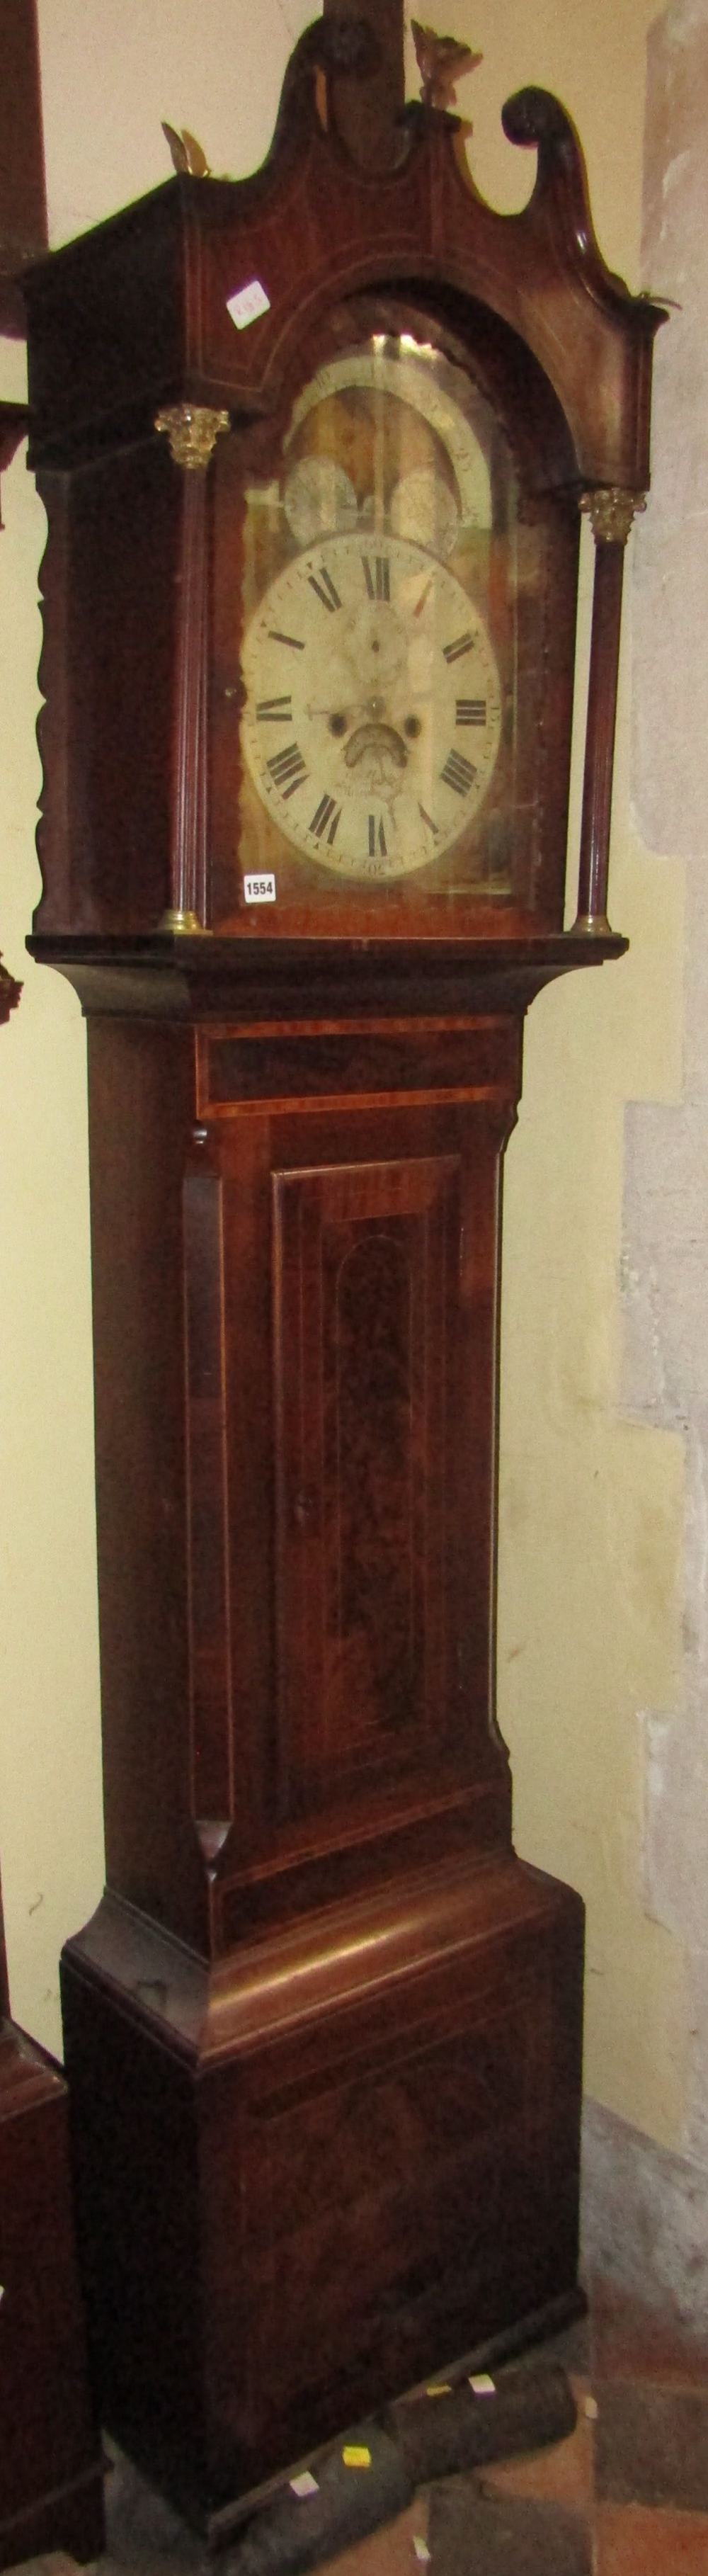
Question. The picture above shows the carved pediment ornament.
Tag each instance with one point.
(442, 60)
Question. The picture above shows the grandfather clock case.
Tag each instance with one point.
(313, 448)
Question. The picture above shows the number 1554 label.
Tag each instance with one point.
(259, 889)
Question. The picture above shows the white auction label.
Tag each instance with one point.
(259, 889)
(247, 303)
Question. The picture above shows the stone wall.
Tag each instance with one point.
(641, 2202)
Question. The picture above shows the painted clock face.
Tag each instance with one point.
(382, 608)
(373, 699)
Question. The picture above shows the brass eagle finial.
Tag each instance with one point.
(442, 60)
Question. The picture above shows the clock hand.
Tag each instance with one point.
(353, 708)
(374, 706)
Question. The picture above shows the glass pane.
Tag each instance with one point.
(392, 594)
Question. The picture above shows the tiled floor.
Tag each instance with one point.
(626, 2494)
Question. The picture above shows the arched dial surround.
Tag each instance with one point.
(376, 673)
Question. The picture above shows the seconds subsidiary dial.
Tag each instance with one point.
(372, 720)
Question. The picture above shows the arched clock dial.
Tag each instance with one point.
(372, 721)
(386, 613)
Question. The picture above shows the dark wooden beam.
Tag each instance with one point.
(367, 109)
(23, 201)
(14, 424)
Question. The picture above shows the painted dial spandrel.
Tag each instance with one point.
(373, 709)
(408, 373)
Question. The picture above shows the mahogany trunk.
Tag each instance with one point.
(324, 2034)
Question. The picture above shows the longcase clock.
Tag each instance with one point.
(313, 449)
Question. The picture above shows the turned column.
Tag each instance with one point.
(192, 432)
(611, 512)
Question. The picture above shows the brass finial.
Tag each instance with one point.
(442, 61)
(186, 152)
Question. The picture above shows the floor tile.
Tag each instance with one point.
(632, 2541)
(563, 2471)
(651, 2445)
(504, 2535)
(630, 2341)
(645, 2457)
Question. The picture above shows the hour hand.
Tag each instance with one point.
(340, 713)
(345, 712)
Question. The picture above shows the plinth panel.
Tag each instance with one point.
(51, 2483)
(306, 2185)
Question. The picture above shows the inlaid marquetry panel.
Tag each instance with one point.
(389, 2187)
(470, 1058)
(365, 1353)
(467, 2086)
(340, 1484)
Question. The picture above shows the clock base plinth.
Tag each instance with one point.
(51, 2471)
(312, 2173)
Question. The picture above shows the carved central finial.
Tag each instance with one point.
(442, 60)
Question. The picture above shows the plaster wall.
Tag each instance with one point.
(592, 1494)
(666, 1217)
(108, 80)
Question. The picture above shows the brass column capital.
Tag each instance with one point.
(192, 430)
(611, 510)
